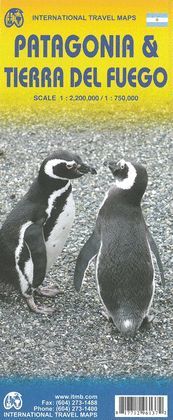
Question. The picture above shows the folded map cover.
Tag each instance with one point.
(86, 93)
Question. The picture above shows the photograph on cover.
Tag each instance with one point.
(77, 339)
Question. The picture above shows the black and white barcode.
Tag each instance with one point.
(141, 405)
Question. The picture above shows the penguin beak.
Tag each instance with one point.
(85, 169)
(113, 166)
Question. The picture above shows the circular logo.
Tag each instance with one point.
(14, 17)
(13, 400)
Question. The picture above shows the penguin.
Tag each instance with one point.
(35, 232)
(123, 246)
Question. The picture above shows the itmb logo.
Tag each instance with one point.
(14, 17)
(13, 400)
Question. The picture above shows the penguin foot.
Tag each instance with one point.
(44, 310)
(146, 323)
(106, 315)
(38, 309)
(148, 319)
(50, 291)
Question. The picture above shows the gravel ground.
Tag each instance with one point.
(77, 340)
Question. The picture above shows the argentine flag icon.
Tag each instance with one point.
(157, 19)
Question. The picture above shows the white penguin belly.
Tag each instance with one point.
(60, 232)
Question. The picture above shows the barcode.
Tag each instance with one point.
(141, 405)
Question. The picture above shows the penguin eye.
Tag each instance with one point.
(71, 165)
(121, 164)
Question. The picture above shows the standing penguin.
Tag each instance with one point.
(36, 230)
(122, 243)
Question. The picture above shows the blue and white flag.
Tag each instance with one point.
(157, 19)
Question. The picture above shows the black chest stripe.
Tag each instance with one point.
(57, 209)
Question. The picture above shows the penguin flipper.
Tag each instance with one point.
(155, 251)
(89, 251)
(34, 239)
